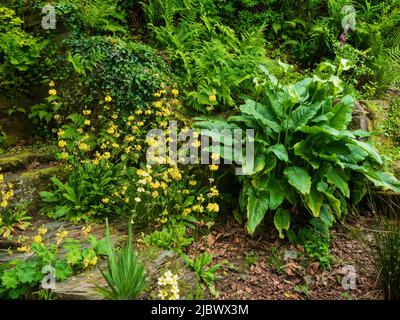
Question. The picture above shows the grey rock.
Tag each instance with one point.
(290, 255)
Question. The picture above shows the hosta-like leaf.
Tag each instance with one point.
(384, 179)
(282, 221)
(303, 114)
(276, 194)
(264, 118)
(302, 149)
(314, 201)
(280, 152)
(256, 209)
(371, 150)
(252, 166)
(326, 216)
(323, 187)
(359, 189)
(342, 113)
(335, 179)
(298, 178)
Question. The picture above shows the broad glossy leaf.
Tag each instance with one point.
(314, 201)
(342, 113)
(256, 209)
(280, 152)
(303, 114)
(334, 178)
(282, 221)
(298, 178)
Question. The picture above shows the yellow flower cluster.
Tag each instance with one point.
(60, 236)
(168, 286)
(6, 192)
(89, 261)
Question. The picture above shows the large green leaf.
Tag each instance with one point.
(359, 189)
(303, 114)
(323, 187)
(384, 179)
(314, 201)
(276, 194)
(256, 209)
(342, 113)
(282, 221)
(280, 152)
(335, 179)
(264, 118)
(298, 178)
(302, 149)
(371, 150)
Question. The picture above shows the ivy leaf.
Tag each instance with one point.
(298, 178)
(282, 221)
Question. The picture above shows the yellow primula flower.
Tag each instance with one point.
(42, 231)
(93, 261)
(52, 92)
(213, 167)
(83, 147)
(62, 143)
(107, 99)
(213, 207)
(38, 238)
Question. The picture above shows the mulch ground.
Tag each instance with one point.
(271, 269)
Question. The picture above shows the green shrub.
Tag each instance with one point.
(172, 236)
(129, 72)
(19, 51)
(304, 154)
(315, 240)
(216, 64)
(126, 276)
(20, 278)
(93, 16)
(392, 123)
(388, 259)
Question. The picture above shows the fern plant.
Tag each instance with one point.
(304, 155)
(213, 60)
(98, 15)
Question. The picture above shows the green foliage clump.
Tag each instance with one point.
(216, 64)
(315, 240)
(304, 154)
(172, 236)
(126, 275)
(93, 16)
(12, 218)
(130, 72)
(388, 259)
(392, 123)
(18, 50)
(20, 278)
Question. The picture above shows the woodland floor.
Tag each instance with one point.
(276, 277)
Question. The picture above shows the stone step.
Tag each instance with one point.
(28, 183)
(20, 160)
(83, 285)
